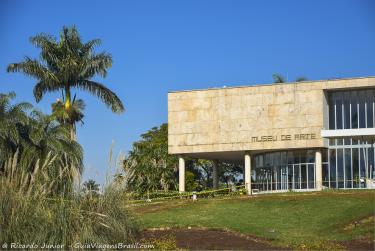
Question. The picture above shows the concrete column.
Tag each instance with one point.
(215, 174)
(248, 173)
(318, 170)
(181, 174)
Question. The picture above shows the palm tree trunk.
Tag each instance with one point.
(73, 135)
(72, 126)
(67, 98)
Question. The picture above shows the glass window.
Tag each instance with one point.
(284, 158)
(339, 118)
(370, 109)
(303, 176)
(347, 110)
(311, 176)
(340, 168)
(325, 174)
(290, 176)
(340, 142)
(332, 168)
(325, 156)
(347, 141)
(310, 156)
(354, 109)
(362, 112)
(331, 112)
(348, 168)
(277, 174)
(303, 156)
(371, 163)
(296, 157)
(332, 142)
(351, 109)
(297, 176)
(355, 163)
(362, 169)
(290, 157)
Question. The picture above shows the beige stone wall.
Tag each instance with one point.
(264, 117)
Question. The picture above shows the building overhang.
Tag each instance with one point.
(362, 133)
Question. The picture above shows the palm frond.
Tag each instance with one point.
(277, 78)
(103, 93)
(301, 79)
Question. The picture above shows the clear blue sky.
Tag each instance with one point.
(161, 46)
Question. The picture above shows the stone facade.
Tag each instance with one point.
(252, 118)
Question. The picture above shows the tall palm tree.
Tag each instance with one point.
(68, 64)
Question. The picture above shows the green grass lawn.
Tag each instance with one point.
(288, 219)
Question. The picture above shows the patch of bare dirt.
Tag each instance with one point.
(206, 239)
(359, 245)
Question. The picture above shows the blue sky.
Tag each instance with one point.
(161, 46)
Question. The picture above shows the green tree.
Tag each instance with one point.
(228, 172)
(12, 118)
(190, 182)
(91, 186)
(65, 65)
(75, 113)
(149, 167)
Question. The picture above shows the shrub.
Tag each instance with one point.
(29, 213)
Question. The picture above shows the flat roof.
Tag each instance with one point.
(269, 84)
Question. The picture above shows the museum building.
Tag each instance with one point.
(299, 136)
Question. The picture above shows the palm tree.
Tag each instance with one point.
(69, 116)
(12, 119)
(68, 64)
(278, 78)
(38, 138)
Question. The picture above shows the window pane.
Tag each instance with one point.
(371, 162)
(310, 156)
(340, 168)
(283, 158)
(325, 175)
(311, 176)
(354, 102)
(290, 176)
(362, 170)
(355, 164)
(290, 157)
(304, 176)
(331, 112)
(332, 167)
(369, 104)
(347, 110)
(348, 168)
(325, 155)
(338, 111)
(362, 111)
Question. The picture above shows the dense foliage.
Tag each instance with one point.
(149, 167)
(29, 215)
(66, 64)
(30, 138)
